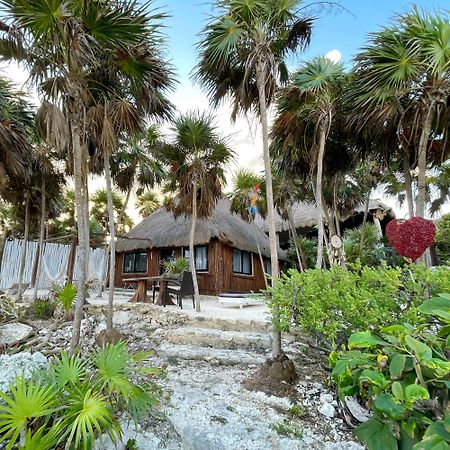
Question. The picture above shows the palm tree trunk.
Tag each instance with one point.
(422, 163)
(408, 183)
(71, 262)
(336, 215)
(191, 247)
(322, 138)
(40, 249)
(261, 79)
(124, 209)
(23, 254)
(80, 203)
(112, 246)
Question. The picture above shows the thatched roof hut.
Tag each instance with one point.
(162, 230)
(305, 215)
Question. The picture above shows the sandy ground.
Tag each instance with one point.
(210, 307)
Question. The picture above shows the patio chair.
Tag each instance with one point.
(186, 289)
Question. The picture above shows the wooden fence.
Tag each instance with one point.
(54, 263)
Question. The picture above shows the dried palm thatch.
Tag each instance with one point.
(162, 230)
(305, 215)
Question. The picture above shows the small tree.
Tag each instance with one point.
(197, 158)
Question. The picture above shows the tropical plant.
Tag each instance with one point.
(77, 399)
(316, 91)
(176, 265)
(100, 212)
(77, 48)
(401, 375)
(147, 203)
(66, 296)
(197, 159)
(136, 165)
(331, 304)
(443, 239)
(404, 73)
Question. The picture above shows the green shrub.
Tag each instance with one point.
(42, 309)
(402, 375)
(176, 265)
(337, 302)
(77, 399)
(443, 239)
(66, 296)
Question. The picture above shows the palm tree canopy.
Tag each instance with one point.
(248, 190)
(197, 157)
(147, 203)
(243, 35)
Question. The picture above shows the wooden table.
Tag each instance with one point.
(141, 290)
(164, 298)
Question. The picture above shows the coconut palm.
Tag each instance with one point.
(405, 67)
(197, 158)
(63, 44)
(313, 96)
(147, 203)
(242, 56)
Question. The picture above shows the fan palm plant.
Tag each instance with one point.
(313, 97)
(197, 158)
(405, 68)
(147, 203)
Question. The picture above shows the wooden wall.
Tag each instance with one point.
(219, 278)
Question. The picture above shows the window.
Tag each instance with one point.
(268, 266)
(242, 262)
(201, 257)
(135, 262)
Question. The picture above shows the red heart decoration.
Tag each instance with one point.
(411, 237)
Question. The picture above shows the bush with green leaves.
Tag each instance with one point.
(402, 375)
(443, 239)
(176, 265)
(334, 303)
(78, 399)
(66, 296)
(41, 308)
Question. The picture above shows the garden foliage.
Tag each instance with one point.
(402, 375)
(77, 399)
(443, 239)
(334, 303)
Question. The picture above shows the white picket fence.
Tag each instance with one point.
(54, 263)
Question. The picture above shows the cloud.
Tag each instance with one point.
(334, 55)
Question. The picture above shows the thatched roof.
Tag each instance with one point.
(161, 230)
(305, 215)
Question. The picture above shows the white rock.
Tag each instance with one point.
(14, 365)
(11, 333)
(327, 410)
(121, 317)
(326, 398)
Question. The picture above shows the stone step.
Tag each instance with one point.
(218, 339)
(225, 357)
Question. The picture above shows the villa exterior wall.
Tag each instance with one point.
(219, 277)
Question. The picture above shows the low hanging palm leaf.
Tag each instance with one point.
(43, 438)
(26, 402)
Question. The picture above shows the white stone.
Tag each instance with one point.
(14, 365)
(326, 398)
(121, 317)
(11, 333)
(327, 410)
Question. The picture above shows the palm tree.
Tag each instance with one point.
(62, 50)
(136, 165)
(406, 67)
(100, 210)
(147, 203)
(313, 96)
(242, 57)
(197, 158)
